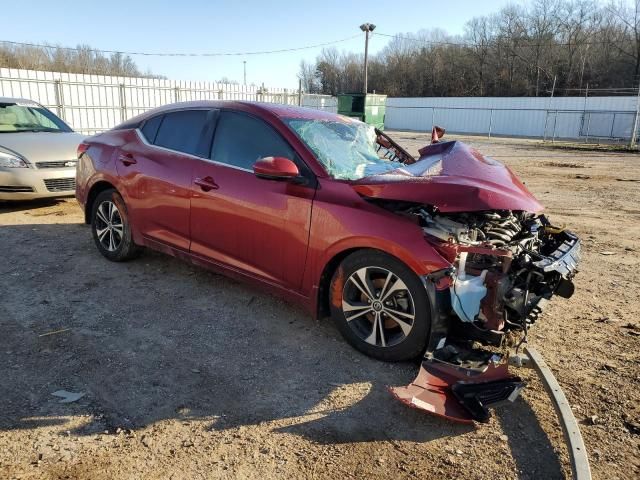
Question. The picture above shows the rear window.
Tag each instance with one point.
(181, 131)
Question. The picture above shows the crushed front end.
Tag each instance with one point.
(505, 265)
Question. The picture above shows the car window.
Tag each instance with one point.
(29, 117)
(240, 140)
(150, 128)
(182, 130)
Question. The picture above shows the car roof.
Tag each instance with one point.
(18, 100)
(273, 109)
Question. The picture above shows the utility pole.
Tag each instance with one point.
(244, 64)
(366, 28)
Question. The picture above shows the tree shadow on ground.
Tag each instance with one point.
(530, 446)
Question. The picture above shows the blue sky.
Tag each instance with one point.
(214, 26)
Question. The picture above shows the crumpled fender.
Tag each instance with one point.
(454, 178)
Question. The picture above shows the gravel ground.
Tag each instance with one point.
(187, 374)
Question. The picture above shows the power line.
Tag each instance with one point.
(179, 54)
(488, 44)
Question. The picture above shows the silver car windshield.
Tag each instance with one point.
(347, 150)
(16, 117)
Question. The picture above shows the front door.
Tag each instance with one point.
(257, 226)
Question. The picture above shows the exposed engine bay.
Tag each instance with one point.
(507, 264)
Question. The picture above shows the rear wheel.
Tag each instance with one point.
(380, 306)
(111, 228)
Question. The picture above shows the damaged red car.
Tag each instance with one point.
(430, 256)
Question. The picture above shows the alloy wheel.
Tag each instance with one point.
(109, 226)
(378, 306)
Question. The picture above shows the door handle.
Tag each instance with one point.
(206, 183)
(127, 159)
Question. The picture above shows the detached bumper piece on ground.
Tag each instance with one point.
(460, 394)
(465, 395)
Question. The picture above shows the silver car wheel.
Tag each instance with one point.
(109, 226)
(378, 306)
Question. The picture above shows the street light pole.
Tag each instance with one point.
(366, 28)
(244, 62)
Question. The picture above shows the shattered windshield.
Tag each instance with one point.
(347, 150)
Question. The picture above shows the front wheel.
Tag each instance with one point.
(380, 306)
(111, 228)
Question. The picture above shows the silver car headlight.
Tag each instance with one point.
(11, 160)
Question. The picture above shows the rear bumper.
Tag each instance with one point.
(32, 183)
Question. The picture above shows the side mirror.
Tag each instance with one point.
(275, 168)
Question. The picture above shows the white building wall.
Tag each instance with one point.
(571, 117)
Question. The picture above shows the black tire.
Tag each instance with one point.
(107, 225)
(400, 342)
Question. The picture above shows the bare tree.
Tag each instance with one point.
(309, 77)
(517, 51)
(82, 59)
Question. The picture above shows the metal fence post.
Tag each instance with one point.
(586, 140)
(176, 94)
(60, 99)
(123, 103)
(490, 122)
(634, 128)
(555, 122)
(613, 124)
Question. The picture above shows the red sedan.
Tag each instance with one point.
(406, 254)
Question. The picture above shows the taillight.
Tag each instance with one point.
(83, 147)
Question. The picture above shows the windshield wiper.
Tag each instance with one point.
(44, 129)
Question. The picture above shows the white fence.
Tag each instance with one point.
(559, 117)
(94, 103)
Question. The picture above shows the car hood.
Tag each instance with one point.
(453, 177)
(42, 146)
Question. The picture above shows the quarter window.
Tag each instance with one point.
(240, 140)
(182, 131)
(150, 128)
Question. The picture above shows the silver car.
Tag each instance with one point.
(37, 152)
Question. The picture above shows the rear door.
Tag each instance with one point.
(258, 226)
(157, 171)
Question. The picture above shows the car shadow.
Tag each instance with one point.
(14, 206)
(157, 338)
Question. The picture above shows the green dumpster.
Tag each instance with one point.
(369, 108)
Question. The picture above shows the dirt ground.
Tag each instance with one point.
(189, 375)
